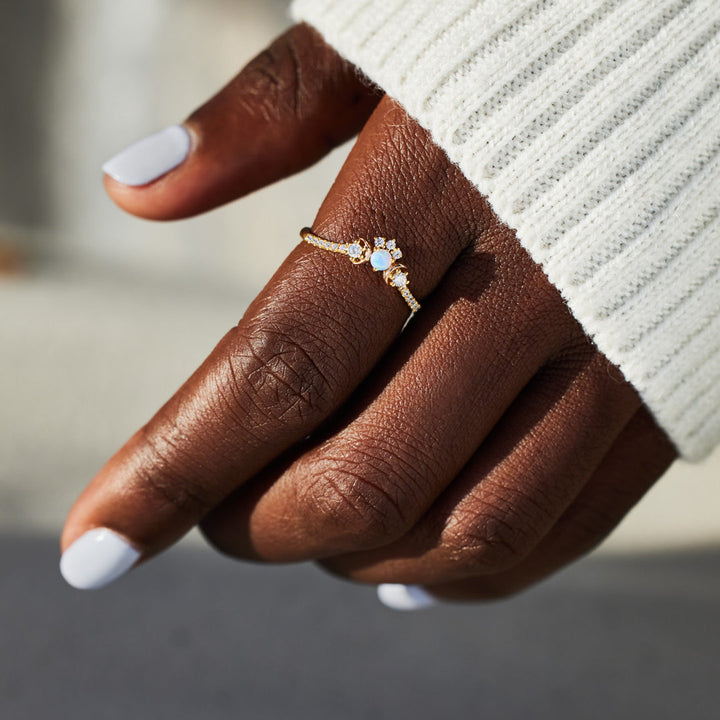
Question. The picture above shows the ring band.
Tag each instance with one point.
(382, 256)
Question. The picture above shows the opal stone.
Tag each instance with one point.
(380, 260)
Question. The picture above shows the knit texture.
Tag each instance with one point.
(594, 129)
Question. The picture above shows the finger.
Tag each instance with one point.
(289, 107)
(303, 346)
(640, 455)
(376, 472)
(517, 486)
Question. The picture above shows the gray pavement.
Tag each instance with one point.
(200, 636)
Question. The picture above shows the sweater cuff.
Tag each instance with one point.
(594, 130)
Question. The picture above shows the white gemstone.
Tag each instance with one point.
(390, 244)
(354, 250)
(396, 254)
(399, 279)
(380, 260)
(379, 242)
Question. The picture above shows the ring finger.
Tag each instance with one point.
(637, 458)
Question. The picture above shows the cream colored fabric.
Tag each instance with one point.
(594, 129)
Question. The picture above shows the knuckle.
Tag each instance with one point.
(281, 376)
(489, 539)
(276, 80)
(273, 78)
(346, 510)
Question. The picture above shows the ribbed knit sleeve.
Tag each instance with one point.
(594, 129)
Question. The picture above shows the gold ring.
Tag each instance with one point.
(382, 256)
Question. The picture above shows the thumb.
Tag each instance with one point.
(288, 108)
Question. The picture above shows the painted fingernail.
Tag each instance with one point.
(97, 558)
(405, 597)
(150, 158)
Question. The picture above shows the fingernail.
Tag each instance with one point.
(405, 597)
(97, 558)
(149, 158)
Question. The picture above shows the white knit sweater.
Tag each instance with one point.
(594, 129)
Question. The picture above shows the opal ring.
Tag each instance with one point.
(382, 255)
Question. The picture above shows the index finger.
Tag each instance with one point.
(303, 346)
(286, 109)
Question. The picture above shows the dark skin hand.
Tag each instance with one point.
(477, 452)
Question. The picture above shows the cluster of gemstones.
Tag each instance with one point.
(382, 256)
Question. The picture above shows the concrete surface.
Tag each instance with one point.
(196, 636)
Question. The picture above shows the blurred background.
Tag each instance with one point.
(102, 316)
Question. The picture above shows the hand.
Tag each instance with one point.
(478, 451)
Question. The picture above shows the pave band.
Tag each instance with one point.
(382, 256)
